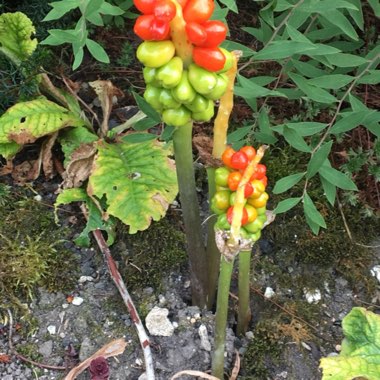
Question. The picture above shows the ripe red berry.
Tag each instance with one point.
(239, 160)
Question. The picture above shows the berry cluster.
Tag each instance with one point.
(227, 179)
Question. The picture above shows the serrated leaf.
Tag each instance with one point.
(337, 178)
(350, 120)
(312, 212)
(147, 108)
(329, 189)
(94, 221)
(295, 140)
(25, 122)
(97, 51)
(72, 139)
(287, 182)
(9, 150)
(318, 159)
(311, 91)
(138, 181)
(16, 30)
(332, 81)
(286, 205)
(360, 355)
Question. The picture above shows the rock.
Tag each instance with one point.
(269, 292)
(86, 349)
(83, 279)
(306, 346)
(52, 329)
(46, 349)
(312, 296)
(77, 301)
(157, 322)
(205, 343)
(375, 272)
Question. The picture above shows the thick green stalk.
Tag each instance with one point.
(226, 268)
(183, 152)
(244, 315)
(212, 251)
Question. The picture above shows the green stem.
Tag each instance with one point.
(212, 251)
(183, 152)
(244, 315)
(221, 317)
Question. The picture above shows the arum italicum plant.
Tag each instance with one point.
(185, 72)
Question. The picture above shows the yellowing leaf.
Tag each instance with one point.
(27, 121)
(16, 31)
(360, 355)
(138, 181)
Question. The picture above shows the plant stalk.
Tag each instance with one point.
(244, 315)
(212, 251)
(183, 152)
(226, 268)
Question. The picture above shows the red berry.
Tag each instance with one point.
(239, 160)
(248, 190)
(244, 217)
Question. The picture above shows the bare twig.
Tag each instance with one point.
(117, 279)
(22, 357)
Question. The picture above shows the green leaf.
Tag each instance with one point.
(134, 138)
(338, 19)
(72, 139)
(60, 8)
(372, 77)
(350, 120)
(311, 211)
(332, 81)
(230, 4)
(266, 134)
(283, 49)
(295, 140)
(318, 159)
(329, 189)
(9, 150)
(287, 182)
(357, 15)
(337, 178)
(286, 205)
(64, 36)
(147, 108)
(94, 221)
(109, 9)
(239, 134)
(144, 124)
(325, 6)
(231, 45)
(313, 92)
(138, 181)
(25, 122)
(16, 31)
(249, 89)
(97, 51)
(314, 226)
(375, 4)
(307, 69)
(303, 128)
(360, 355)
(78, 58)
(346, 60)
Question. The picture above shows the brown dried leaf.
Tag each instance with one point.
(204, 147)
(46, 156)
(4, 358)
(7, 168)
(114, 348)
(26, 171)
(80, 166)
(236, 369)
(105, 91)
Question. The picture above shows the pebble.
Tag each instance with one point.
(46, 348)
(269, 292)
(157, 322)
(203, 334)
(77, 301)
(83, 279)
(375, 272)
(306, 346)
(249, 335)
(52, 329)
(338, 348)
(312, 296)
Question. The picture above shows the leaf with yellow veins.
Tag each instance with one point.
(16, 41)
(27, 121)
(138, 181)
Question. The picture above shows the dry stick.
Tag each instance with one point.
(23, 358)
(117, 279)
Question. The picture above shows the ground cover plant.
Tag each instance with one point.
(322, 57)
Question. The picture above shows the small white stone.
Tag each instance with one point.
(249, 335)
(52, 329)
(312, 296)
(138, 361)
(203, 334)
(83, 279)
(306, 346)
(375, 272)
(77, 301)
(175, 325)
(269, 292)
(197, 316)
(65, 305)
(38, 198)
(62, 335)
(186, 284)
(338, 348)
(157, 322)
(192, 320)
(161, 300)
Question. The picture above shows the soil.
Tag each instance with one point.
(291, 328)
